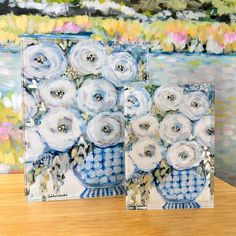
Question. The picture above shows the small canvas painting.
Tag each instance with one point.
(169, 146)
(73, 115)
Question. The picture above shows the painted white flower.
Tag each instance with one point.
(146, 154)
(146, 125)
(168, 97)
(175, 127)
(120, 69)
(196, 46)
(213, 46)
(34, 144)
(96, 95)
(195, 105)
(29, 106)
(184, 155)
(136, 101)
(14, 102)
(60, 128)
(87, 57)
(106, 129)
(60, 92)
(43, 60)
(204, 131)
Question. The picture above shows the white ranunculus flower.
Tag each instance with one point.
(175, 127)
(146, 125)
(136, 101)
(87, 57)
(60, 128)
(43, 60)
(120, 69)
(106, 129)
(29, 106)
(96, 95)
(204, 131)
(184, 155)
(146, 154)
(168, 97)
(195, 105)
(60, 92)
(34, 144)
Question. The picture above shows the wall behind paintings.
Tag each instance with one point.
(198, 39)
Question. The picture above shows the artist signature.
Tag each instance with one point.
(57, 195)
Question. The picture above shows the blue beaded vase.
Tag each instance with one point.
(102, 172)
(179, 189)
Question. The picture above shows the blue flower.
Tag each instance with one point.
(204, 131)
(60, 92)
(184, 155)
(136, 100)
(120, 69)
(106, 129)
(60, 128)
(168, 97)
(175, 127)
(145, 125)
(146, 154)
(195, 105)
(96, 95)
(87, 57)
(43, 60)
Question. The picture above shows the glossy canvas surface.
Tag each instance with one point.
(169, 146)
(73, 120)
(187, 26)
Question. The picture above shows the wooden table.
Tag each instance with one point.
(108, 217)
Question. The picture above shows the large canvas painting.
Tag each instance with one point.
(73, 115)
(191, 41)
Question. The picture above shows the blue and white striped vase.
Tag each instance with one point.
(180, 189)
(102, 172)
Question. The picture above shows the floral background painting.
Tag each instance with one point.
(189, 40)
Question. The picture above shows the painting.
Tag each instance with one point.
(169, 146)
(186, 37)
(73, 115)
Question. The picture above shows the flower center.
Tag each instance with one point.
(132, 100)
(106, 129)
(211, 131)
(149, 151)
(91, 57)
(58, 93)
(171, 97)
(121, 68)
(64, 125)
(176, 128)
(63, 128)
(183, 155)
(98, 97)
(195, 104)
(145, 126)
(40, 59)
